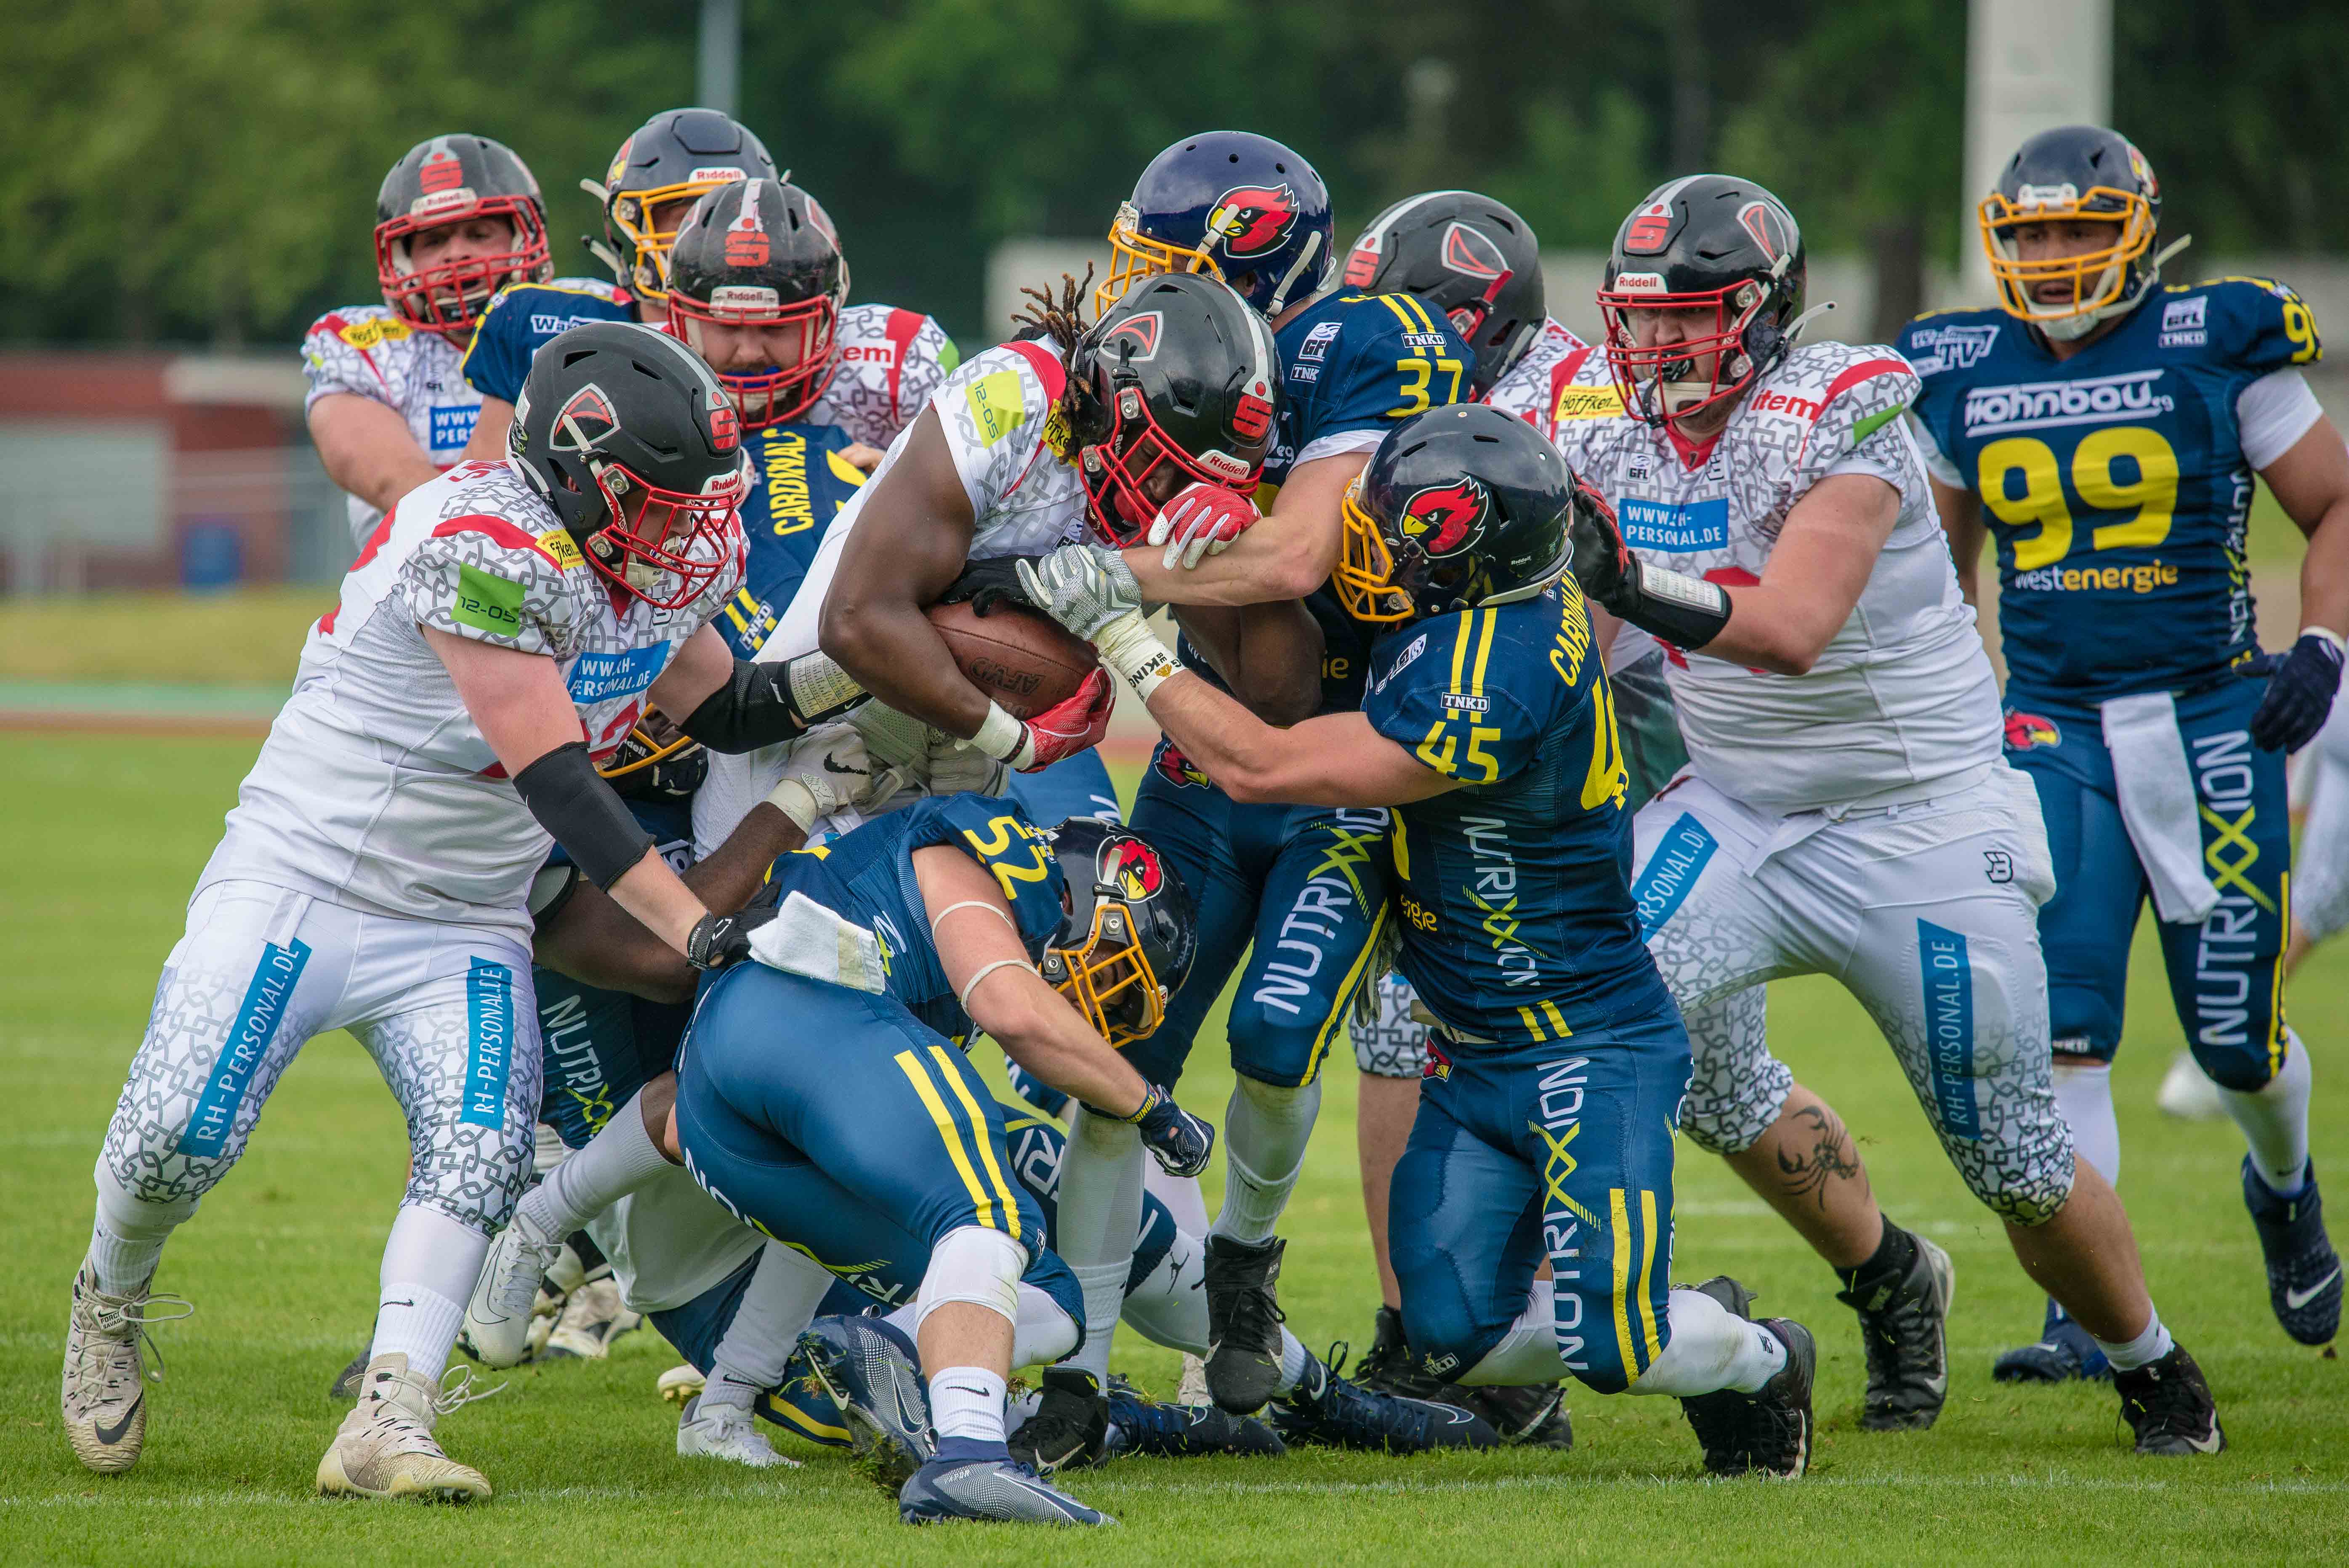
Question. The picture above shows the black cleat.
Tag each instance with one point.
(1326, 1410)
(2063, 1352)
(1531, 1415)
(344, 1388)
(1244, 1319)
(2304, 1271)
(2168, 1406)
(1144, 1426)
(1069, 1429)
(1767, 1432)
(1902, 1325)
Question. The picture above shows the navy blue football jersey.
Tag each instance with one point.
(803, 483)
(522, 317)
(1513, 891)
(867, 878)
(2112, 482)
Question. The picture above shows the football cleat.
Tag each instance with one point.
(104, 1395)
(385, 1448)
(2168, 1406)
(2188, 1093)
(1326, 1410)
(1244, 1319)
(680, 1385)
(2304, 1271)
(1193, 1388)
(1069, 1429)
(996, 1489)
(344, 1388)
(1767, 1432)
(873, 1374)
(802, 1408)
(2062, 1352)
(505, 1298)
(1143, 1426)
(1903, 1326)
(1532, 1415)
(593, 1317)
(725, 1432)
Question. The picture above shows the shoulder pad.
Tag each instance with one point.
(2257, 323)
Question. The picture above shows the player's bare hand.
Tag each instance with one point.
(1201, 521)
(1082, 586)
(858, 455)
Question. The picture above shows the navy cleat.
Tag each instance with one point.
(2304, 1271)
(1143, 1427)
(2063, 1352)
(873, 1374)
(802, 1408)
(1531, 1415)
(1326, 1410)
(1069, 1429)
(2168, 1406)
(986, 1483)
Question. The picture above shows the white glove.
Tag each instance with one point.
(1201, 521)
(956, 766)
(829, 771)
(1082, 587)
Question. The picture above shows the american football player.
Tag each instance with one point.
(2105, 430)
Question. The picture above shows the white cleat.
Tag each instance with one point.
(2188, 1093)
(385, 1448)
(725, 1432)
(593, 1317)
(104, 1396)
(680, 1385)
(505, 1298)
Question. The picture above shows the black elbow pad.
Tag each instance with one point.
(587, 816)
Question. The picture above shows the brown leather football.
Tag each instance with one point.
(1023, 660)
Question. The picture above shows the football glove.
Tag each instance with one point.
(1082, 586)
(1686, 612)
(1179, 1142)
(2300, 688)
(1201, 521)
(987, 583)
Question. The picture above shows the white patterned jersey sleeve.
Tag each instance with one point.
(890, 363)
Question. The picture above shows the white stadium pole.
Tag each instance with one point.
(2031, 66)
(720, 75)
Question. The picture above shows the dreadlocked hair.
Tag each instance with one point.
(1063, 320)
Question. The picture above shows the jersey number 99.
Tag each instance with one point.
(2095, 478)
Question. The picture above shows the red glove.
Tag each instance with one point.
(1075, 723)
(1201, 521)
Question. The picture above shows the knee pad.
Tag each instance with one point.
(973, 1264)
(130, 1215)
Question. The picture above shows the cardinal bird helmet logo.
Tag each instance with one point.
(1445, 520)
(1252, 219)
(1131, 867)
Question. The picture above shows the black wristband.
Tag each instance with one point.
(586, 814)
(1686, 612)
(762, 704)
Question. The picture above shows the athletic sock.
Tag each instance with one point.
(1101, 1215)
(1711, 1348)
(2084, 1093)
(429, 1264)
(2274, 1121)
(1103, 1288)
(968, 1402)
(127, 1236)
(2149, 1346)
(723, 1391)
(777, 1302)
(1528, 1352)
(614, 1163)
(1895, 1255)
(1295, 1361)
(1266, 1130)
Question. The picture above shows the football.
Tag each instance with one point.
(1021, 659)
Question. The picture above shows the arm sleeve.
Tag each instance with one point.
(497, 362)
(2272, 414)
(1474, 730)
(485, 579)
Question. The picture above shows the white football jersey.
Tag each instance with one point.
(375, 789)
(995, 410)
(1903, 694)
(369, 351)
(886, 364)
(1530, 390)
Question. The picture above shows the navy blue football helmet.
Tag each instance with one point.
(2073, 174)
(1236, 205)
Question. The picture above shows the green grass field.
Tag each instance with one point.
(110, 834)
